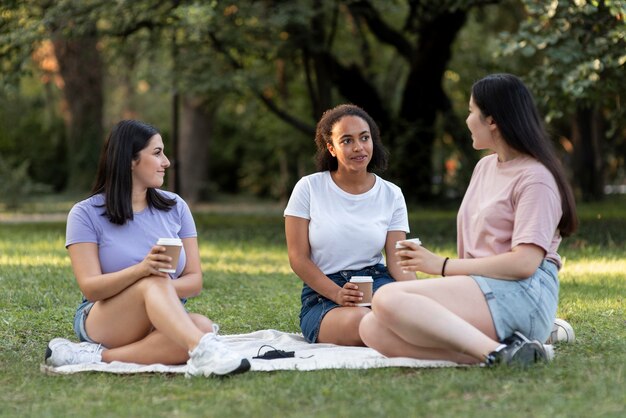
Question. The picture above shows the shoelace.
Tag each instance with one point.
(217, 347)
(86, 352)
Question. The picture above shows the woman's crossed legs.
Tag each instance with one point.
(439, 319)
(146, 323)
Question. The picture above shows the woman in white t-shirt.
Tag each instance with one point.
(337, 223)
(498, 300)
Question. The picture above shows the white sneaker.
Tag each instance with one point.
(562, 332)
(62, 352)
(212, 357)
(549, 350)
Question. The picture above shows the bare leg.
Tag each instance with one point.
(448, 314)
(397, 347)
(132, 314)
(341, 326)
(156, 347)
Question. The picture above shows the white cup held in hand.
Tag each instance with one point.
(172, 249)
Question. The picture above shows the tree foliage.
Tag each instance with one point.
(266, 70)
(579, 48)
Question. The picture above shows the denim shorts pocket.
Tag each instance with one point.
(311, 301)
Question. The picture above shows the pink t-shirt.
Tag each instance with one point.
(507, 204)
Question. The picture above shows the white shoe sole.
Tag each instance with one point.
(243, 367)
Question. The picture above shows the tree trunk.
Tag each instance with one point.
(197, 120)
(423, 98)
(587, 137)
(80, 67)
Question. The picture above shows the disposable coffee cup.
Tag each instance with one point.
(365, 285)
(399, 246)
(172, 249)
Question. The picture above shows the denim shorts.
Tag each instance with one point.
(528, 306)
(79, 321)
(315, 306)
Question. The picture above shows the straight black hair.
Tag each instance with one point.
(323, 135)
(508, 101)
(114, 178)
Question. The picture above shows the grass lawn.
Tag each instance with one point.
(248, 285)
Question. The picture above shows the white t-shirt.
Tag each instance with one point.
(347, 231)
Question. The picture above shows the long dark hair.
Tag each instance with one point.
(114, 178)
(323, 135)
(508, 101)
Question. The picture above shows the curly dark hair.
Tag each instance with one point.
(323, 135)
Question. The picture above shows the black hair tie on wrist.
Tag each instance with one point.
(443, 268)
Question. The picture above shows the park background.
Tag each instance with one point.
(236, 88)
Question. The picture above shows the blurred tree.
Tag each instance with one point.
(388, 57)
(25, 25)
(80, 67)
(581, 78)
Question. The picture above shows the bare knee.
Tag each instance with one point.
(341, 326)
(367, 329)
(152, 282)
(383, 302)
(203, 323)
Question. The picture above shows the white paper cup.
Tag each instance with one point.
(172, 249)
(365, 284)
(399, 246)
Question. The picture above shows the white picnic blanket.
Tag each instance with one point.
(306, 357)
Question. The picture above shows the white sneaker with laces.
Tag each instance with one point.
(562, 332)
(212, 357)
(62, 352)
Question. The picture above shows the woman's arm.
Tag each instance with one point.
(392, 258)
(189, 283)
(519, 263)
(97, 286)
(299, 252)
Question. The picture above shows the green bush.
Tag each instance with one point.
(17, 185)
(31, 133)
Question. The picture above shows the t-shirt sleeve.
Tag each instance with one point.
(400, 217)
(187, 223)
(537, 216)
(79, 227)
(299, 202)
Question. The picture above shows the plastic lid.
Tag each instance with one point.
(415, 240)
(361, 279)
(169, 241)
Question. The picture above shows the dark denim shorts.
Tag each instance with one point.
(315, 306)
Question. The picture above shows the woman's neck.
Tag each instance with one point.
(504, 151)
(353, 182)
(139, 200)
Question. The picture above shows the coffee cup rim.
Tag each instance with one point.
(170, 241)
(361, 279)
(415, 240)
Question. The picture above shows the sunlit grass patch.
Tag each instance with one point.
(248, 285)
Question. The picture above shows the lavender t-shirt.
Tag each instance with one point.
(122, 246)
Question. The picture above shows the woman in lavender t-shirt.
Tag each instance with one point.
(132, 311)
(498, 300)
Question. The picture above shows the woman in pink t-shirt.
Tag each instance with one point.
(498, 300)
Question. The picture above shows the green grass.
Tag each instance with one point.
(248, 285)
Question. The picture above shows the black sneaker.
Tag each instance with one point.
(519, 351)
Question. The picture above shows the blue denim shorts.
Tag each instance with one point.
(79, 321)
(528, 306)
(315, 306)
